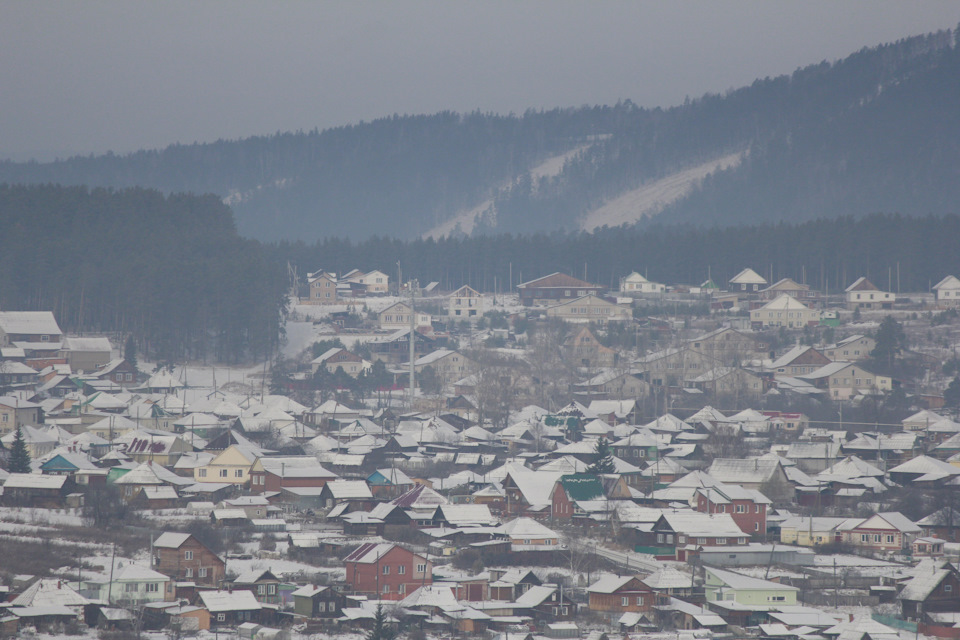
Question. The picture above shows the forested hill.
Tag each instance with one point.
(876, 131)
(169, 270)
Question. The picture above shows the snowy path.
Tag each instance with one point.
(651, 198)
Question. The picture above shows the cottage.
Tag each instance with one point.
(339, 358)
(722, 585)
(322, 288)
(947, 292)
(636, 284)
(843, 380)
(619, 594)
(230, 608)
(787, 286)
(748, 507)
(890, 531)
(313, 601)
(747, 280)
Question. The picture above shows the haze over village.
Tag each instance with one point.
(607, 372)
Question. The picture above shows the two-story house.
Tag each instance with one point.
(747, 507)
(863, 294)
(185, 559)
(466, 303)
(387, 570)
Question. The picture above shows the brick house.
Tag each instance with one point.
(386, 569)
(620, 594)
(556, 286)
(747, 507)
(184, 558)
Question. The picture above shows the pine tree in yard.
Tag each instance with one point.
(130, 350)
(951, 396)
(380, 630)
(602, 459)
(19, 456)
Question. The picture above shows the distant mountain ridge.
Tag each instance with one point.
(877, 131)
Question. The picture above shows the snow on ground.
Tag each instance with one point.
(651, 198)
(65, 517)
(466, 220)
(282, 567)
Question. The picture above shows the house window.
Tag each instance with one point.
(723, 508)
(624, 601)
(202, 473)
(877, 537)
(402, 588)
(421, 568)
(322, 607)
(721, 541)
(741, 508)
(701, 541)
(402, 569)
(864, 537)
(639, 601)
(188, 573)
(889, 539)
(203, 572)
(947, 588)
(272, 589)
(681, 539)
(659, 537)
(188, 555)
(741, 540)
(223, 473)
(221, 617)
(386, 588)
(261, 589)
(756, 508)
(756, 526)
(153, 587)
(386, 570)
(669, 538)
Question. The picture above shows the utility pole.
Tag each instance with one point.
(413, 331)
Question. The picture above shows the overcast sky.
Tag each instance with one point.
(88, 77)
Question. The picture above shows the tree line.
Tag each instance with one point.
(909, 253)
(169, 270)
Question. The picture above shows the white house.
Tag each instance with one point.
(465, 304)
(397, 316)
(637, 284)
(784, 312)
(948, 292)
(864, 294)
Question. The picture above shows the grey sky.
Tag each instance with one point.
(82, 77)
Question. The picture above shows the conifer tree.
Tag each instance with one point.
(602, 459)
(380, 630)
(19, 456)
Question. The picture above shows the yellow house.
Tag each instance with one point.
(812, 532)
(231, 466)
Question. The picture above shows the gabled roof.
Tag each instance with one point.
(861, 284)
(222, 601)
(526, 528)
(557, 280)
(788, 284)
(29, 322)
(785, 302)
(950, 282)
(748, 276)
(582, 486)
(746, 583)
(610, 584)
